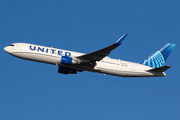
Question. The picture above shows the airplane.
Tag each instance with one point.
(70, 62)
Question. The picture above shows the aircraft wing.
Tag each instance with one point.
(100, 54)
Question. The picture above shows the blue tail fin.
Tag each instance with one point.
(159, 58)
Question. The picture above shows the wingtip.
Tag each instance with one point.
(119, 41)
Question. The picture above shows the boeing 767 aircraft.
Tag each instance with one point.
(71, 62)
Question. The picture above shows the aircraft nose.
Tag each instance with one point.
(7, 49)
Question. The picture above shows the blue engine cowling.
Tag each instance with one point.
(65, 70)
(66, 60)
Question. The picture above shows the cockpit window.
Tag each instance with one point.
(11, 45)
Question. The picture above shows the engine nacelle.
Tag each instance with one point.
(67, 60)
(65, 70)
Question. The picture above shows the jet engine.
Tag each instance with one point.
(65, 70)
(68, 60)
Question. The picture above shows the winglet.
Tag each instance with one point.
(119, 41)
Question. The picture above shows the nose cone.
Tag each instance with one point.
(7, 49)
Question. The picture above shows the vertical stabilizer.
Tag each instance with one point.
(159, 58)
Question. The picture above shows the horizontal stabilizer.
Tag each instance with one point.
(160, 69)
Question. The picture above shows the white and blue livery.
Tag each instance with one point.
(70, 62)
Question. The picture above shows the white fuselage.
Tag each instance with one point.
(53, 56)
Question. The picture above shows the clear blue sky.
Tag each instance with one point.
(35, 91)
